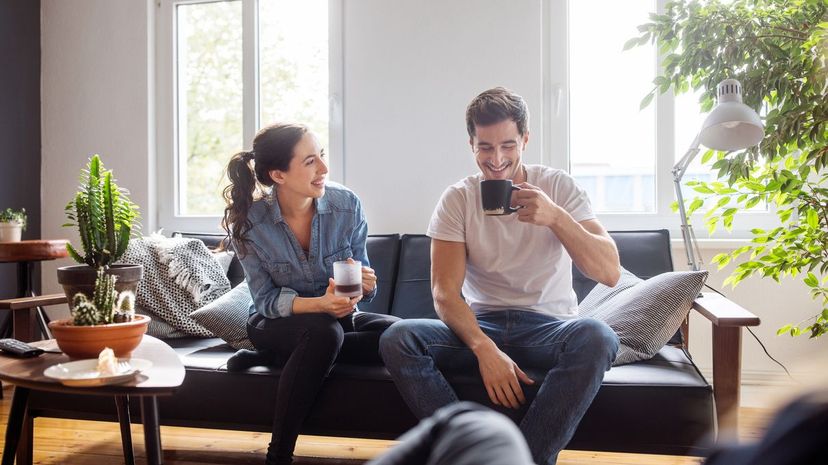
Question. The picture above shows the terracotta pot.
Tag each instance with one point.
(81, 278)
(89, 341)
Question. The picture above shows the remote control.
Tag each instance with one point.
(17, 348)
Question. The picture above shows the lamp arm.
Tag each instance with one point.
(687, 234)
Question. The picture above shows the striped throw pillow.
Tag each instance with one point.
(644, 314)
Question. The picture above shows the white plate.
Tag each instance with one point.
(85, 372)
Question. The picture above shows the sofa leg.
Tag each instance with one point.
(727, 371)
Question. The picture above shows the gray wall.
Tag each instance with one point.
(19, 119)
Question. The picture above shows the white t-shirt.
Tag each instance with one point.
(510, 264)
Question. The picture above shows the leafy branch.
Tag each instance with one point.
(777, 49)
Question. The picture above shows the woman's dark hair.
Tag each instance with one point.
(272, 150)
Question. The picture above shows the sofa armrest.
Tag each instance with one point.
(723, 312)
(727, 319)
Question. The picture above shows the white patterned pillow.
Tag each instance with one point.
(227, 316)
(180, 275)
(647, 314)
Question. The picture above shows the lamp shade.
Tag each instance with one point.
(732, 125)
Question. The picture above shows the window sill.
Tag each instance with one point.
(713, 244)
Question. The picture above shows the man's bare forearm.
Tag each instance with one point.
(459, 317)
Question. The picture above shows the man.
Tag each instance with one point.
(515, 274)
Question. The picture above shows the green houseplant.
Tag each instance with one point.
(101, 292)
(12, 224)
(777, 49)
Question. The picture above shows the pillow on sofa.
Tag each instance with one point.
(645, 315)
(600, 294)
(224, 258)
(180, 275)
(227, 316)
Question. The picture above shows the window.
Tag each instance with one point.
(621, 161)
(619, 153)
(225, 69)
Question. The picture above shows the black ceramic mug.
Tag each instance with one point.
(496, 196)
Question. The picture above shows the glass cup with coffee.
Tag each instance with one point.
(347, 278)
(496, 196)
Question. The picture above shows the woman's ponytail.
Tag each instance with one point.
(272, 150)
(239, 197)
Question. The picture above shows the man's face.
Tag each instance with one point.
(497, 150)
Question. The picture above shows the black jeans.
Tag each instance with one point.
(309, 344)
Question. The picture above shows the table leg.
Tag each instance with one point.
(17, 416)
(25, 447)
(152, 430)
(122, 404)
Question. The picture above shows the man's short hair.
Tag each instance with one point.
(496, 105)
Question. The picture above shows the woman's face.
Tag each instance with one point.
(307, 171)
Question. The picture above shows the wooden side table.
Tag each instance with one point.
(26, 254)
(163, 378)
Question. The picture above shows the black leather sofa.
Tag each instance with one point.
(662, 406)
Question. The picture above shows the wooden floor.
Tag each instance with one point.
(70, 442)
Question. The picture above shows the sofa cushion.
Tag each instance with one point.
(227, 316)
(384, 254)
(668, 386)
(412, 294)
(644, 253)
(645, 314)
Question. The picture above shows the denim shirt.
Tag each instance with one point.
(275, 265)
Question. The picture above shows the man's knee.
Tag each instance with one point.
(398, 338)
(596, 337)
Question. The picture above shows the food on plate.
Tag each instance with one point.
(107, 363)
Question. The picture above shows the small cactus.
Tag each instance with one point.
(125, 308)
(106, 306)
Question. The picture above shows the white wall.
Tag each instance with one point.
(410, 69)
(95, 99)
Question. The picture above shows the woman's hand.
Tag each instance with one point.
(334, 305)
(369, 280)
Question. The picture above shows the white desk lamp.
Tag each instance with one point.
(731, 125)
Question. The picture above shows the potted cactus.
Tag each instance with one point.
(12, 224)
(108, 319)
(100, 291)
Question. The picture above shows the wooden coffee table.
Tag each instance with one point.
(162, 379)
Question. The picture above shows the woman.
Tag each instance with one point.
(288, 227)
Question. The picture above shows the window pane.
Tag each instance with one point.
(612, 142)
(688, 120)
(209, 90)
(293, 63)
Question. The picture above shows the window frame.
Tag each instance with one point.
(167, 167)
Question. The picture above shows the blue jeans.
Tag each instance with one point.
(573, 353)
